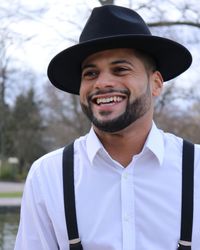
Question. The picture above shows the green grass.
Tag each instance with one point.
(11, 195)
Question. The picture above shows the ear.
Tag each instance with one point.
(157, 83)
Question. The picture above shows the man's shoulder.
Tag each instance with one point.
(176, 141)
(54, 158)
(55, 154)
(47, 161)
(172, 139)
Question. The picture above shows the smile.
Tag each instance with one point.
(108, 100)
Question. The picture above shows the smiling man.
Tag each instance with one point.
(116, 94)
(122, 185)
(115, 89)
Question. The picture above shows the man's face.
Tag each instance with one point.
(115, 89)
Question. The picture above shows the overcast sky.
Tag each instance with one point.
(48, 30)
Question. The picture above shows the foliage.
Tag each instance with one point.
(23, 136)
(177, 111)
(10, 195)
(26, 130)
(8, 172)
(64, 118)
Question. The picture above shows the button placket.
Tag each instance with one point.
(127, 199)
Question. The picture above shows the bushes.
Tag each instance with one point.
(10, 172)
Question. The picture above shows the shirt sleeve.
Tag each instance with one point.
(35, 227)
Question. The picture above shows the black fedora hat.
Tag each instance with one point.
(111, 27)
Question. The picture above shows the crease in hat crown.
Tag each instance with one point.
(117, 21)
(109, 27)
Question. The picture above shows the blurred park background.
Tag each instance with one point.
(35, 118)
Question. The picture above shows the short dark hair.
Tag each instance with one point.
(147, 59)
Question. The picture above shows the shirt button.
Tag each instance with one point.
(125, 176)
(126, 218)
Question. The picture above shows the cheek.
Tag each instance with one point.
(137, 89)
(83, 92)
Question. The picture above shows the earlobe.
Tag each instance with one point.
(157, 83)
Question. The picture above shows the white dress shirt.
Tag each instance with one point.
(132, 208)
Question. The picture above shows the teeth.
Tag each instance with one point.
(109, 99)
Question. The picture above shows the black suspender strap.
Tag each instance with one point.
(69, 198)
(187, 196)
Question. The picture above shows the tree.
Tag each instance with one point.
(104, 2)
(4, 72)
(63, 116)
(11, 72)
(26, 129)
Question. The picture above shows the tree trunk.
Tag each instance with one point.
(105, 2)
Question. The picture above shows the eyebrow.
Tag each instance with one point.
(121, 61)
(88, 66)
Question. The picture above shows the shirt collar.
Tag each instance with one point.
(93, 145)
(154, 143)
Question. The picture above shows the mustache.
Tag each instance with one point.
(108, 91)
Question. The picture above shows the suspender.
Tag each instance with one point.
(69, 198)
(187, 197)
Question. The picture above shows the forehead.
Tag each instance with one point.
(110, 55)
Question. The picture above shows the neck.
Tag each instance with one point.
(124, 144)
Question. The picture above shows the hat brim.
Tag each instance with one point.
(64, 70)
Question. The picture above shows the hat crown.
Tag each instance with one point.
(112, 20)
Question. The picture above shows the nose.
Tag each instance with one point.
(104, 80)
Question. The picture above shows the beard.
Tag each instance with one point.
(134, 110)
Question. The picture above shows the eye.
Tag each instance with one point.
(120, 70)
(89, 74)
